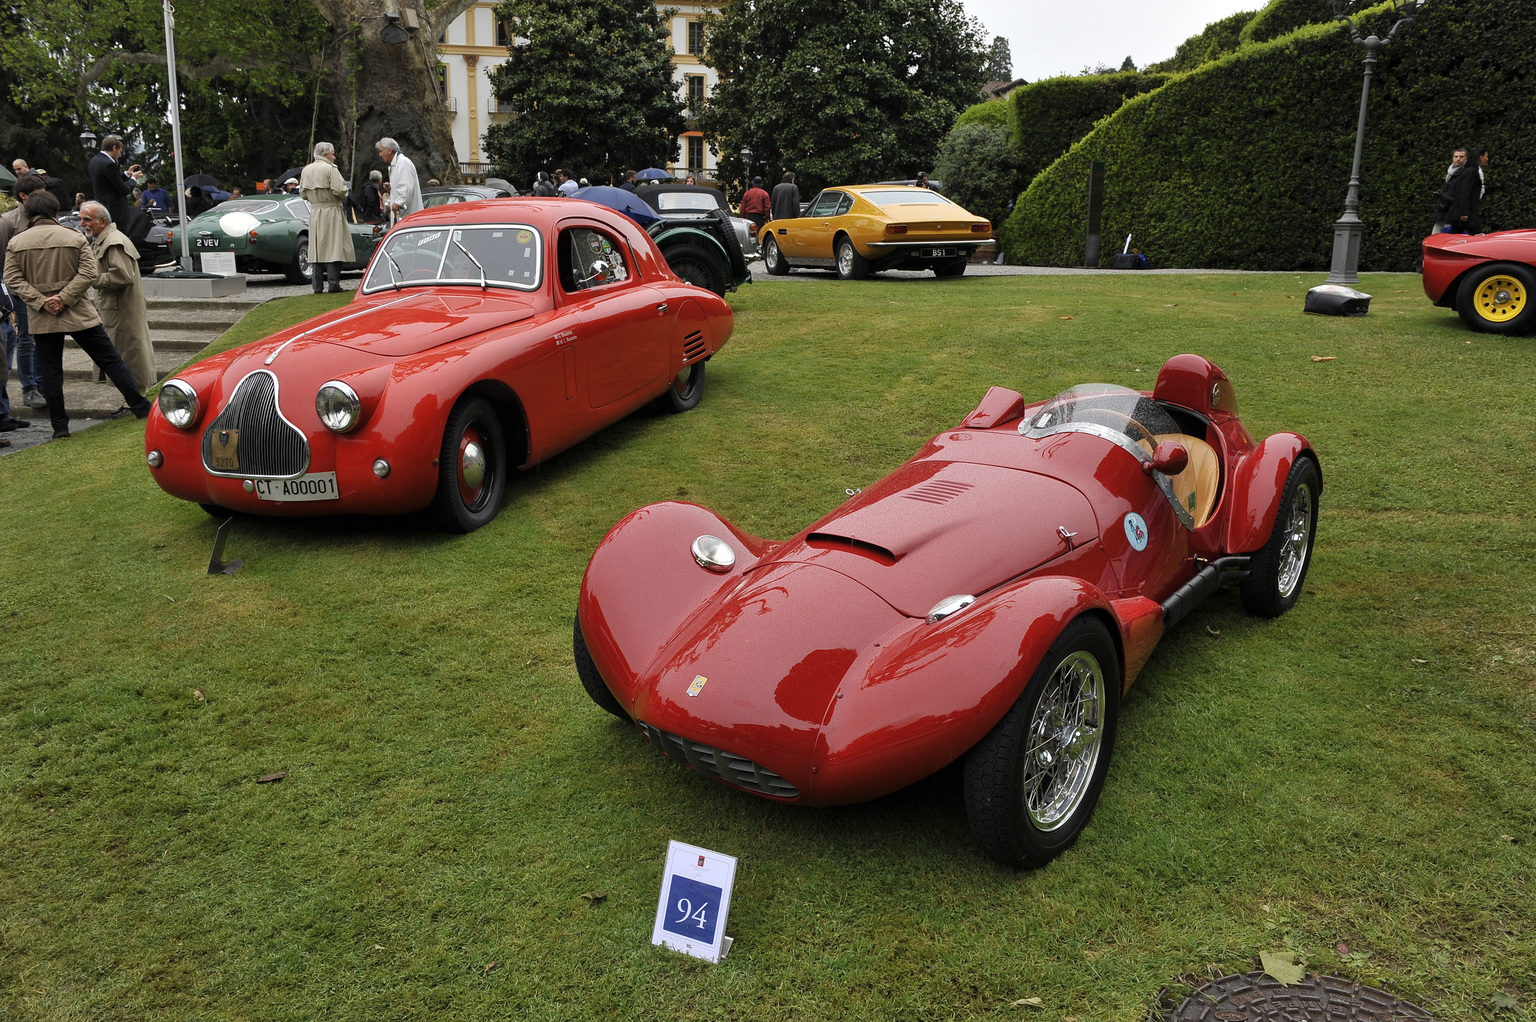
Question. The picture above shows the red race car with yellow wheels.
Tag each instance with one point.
(1487, 278)
(989, 601)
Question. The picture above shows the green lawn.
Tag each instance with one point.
(462, 834)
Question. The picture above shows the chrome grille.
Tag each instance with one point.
(268, 445)
(693, 347)
(727, 766)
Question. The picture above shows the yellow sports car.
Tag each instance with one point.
(863, 229)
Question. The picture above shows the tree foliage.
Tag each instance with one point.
(979, 168)
(590, 87)
(1218, 39)
(1049, 115)
(1280, 17)
(1198, 192)
(999, 66)
(841, 91)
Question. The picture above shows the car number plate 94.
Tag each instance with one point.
(314, 486)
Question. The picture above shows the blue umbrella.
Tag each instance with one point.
(653, 174)
(628, 203)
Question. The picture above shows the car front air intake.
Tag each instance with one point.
(727, 766)
(266, 444)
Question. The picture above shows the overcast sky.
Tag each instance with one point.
(1062, 37)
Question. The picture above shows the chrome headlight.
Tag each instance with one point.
(714, 554)
(178, 403)
(338, 406)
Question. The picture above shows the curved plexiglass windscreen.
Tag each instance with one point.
(1118, 414)
(498, 255)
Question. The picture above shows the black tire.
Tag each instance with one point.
(586, 670)
(773, 259)
(299, 271)
(731, 243)
(954, 269)
(687, 389)
(460, 504)
(1029, 792)
(1496, 299)
(1277, 572)
(850, 265)
(697, 266)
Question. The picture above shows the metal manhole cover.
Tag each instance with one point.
(1259, 997)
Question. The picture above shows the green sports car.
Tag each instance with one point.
(266, 235)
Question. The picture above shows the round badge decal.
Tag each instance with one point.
(1136, 531)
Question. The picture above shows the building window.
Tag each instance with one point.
(696, 153)
(695, 94)
(442, 79)
(696, 37)
(503, 35)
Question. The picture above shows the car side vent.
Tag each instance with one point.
(827, 541)
(266, 444)
(693, 347)
(940, 491)
(717, 763)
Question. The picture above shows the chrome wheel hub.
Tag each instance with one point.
(1293, 548)
(1064, 738)
(472, 466)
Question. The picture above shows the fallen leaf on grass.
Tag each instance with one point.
(1342, 949)
(1418, 661)
(378, 947)
(488, 967)
(1324, 358)
(1282, 966)
(1509, 1002)
(1027, 1002)
(1510, 838)
(595, 897)
(1066, 317)
(1213, 631)
(272, 778)
(197, 694)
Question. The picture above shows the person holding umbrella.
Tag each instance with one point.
(330, 244)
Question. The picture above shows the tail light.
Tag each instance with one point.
(252, 237)
(982, 228)
(895, 228)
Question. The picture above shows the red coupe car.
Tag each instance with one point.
(989, 600)
(484, 335)
(1488, 278)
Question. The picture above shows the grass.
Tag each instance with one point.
(461, 833)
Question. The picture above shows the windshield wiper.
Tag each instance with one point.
(472, 259)
(393, 266)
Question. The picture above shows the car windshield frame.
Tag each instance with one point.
(379, 277)
(664, 202)
(253, 206)
(886, 197)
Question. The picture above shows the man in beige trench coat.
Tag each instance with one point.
(330, 243)
(120, 294)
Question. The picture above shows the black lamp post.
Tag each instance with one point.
(746, 164)
(88, 140)
(1349, 229)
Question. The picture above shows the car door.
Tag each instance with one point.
(624, 328)
(817, 227)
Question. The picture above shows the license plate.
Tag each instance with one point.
(936, 253)
(226, 451)
(314, 486)
(206, 243)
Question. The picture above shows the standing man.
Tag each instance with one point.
(111, 185)
(49, 267)
(1458, 160)
(120, 295)
(567, 185)
(1461, 199)
(404, 185)
(755, 204)
(629, 181)
(373, 198)
(786, 198)
(330, 243)
(12, 224)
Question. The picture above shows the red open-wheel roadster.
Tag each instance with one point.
(989, 600)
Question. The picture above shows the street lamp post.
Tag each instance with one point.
(1348, 229)
(746, 163)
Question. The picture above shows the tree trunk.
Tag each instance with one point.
(389, 90)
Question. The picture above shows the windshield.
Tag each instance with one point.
(509, 255)
(255, 207)
(669, 201)
(1118, 414)
(908, 197)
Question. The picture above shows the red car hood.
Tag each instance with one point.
(934, 529)
(407, 324)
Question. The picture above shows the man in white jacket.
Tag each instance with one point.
(404, 186)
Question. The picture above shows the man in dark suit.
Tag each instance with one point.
(111, 185)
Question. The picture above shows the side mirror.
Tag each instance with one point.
(1170, 458)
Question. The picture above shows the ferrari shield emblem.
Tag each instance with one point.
(698, 684)
(226, 444)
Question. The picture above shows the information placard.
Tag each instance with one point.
(222, 263)
(695, 900)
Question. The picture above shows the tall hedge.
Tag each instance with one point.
(1219, 39)
(1244, 163)
(1282, 17)
(1049, 115)
(992, 114)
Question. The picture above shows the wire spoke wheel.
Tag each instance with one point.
(1297, 540)
(1064, 739)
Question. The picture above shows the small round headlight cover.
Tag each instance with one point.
(714, 554)
(338, 406)
(949, 605)
(178, 403)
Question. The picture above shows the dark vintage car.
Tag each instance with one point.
(443, 195)
(691, 225)
(988, 602)
(485, 336)
(1487, 278)
(268, 235)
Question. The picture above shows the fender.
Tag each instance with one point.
(1258, 484)
(934, 691)
(628, 625)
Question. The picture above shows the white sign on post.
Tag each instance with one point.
(695, 899)
(222, 263)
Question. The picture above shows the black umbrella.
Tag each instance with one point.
(204, 181)
(296, 173)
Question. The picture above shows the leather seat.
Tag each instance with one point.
(1195, 487)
